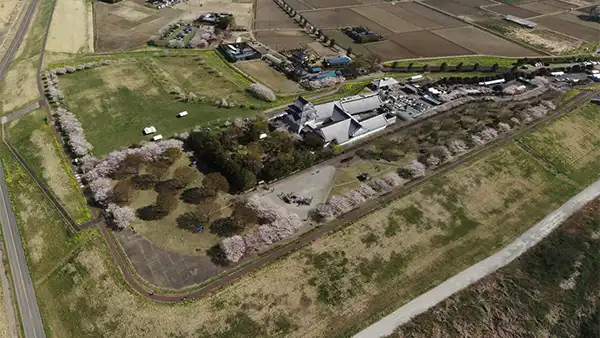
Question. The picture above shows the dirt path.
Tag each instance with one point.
(531, 237)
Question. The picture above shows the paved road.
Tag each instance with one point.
(21, 112)
(480, 270)
(28, 308)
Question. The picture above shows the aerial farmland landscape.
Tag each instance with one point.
(300, 168)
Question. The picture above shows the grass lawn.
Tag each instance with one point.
(114, 103)
(452, 61)
(36, 142)
(571, 143)
(551, 291)
(165, 233)
(44, 233)
(262, 72)
(338, 284)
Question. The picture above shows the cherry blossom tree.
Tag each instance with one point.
(262, 92)
(121, 216)
(101, 189)
(234, 248)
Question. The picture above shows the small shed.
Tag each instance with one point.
(149, 130)
(182, 114)
(157, 137)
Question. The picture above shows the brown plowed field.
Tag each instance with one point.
(388, 50)
(344, 17)
(475, 3)
(386, 19)
(559, 4)
(482, 42)
(411, 17)
(512, 10)
(297, 5)
(431, 14)
(453, 7)
(569, 28)
(574, 19)
(540, 8)
(427, 44)
(331, 3)
(271, 16)
(283, 40)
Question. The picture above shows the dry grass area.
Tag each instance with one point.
(546, 39)
(339, 283)
(550, 291)
(4, 286)
(572, 143)
(346, 174)
(72, 27)
(19, 87)
(10, 11)
(262, 72)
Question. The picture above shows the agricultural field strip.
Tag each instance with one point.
(476, 272)
(365, 209)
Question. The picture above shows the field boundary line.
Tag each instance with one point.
(522, 44)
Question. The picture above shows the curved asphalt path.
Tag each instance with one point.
(28, 308)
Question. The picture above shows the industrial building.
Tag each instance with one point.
(240, 51)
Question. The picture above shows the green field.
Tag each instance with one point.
(550, 291)
(36, 143)
(45, 234)
(114, 103)
(571, 144)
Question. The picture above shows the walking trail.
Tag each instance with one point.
(531, 237)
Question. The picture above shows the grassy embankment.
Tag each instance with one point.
(36, 142)
(550, 291)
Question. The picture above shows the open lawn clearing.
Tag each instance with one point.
(190, 10)
(571, 143)
(512, 10)
(346, 175)
(283, 40)
(409, 16)
(388, 50)
(569, 28)
(114, 103)
(44, 233)
(386, 19)
(427, 44)
(165, 233)
(128, 24)
(262, 72)
(72, 27)
(482, 42)
(433, 15)
(549, 291)
(339, 283)
(19, 86)
(36, 143)
(270, 16)
(540, 7)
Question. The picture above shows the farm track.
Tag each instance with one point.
(23, 286)
(314, 234)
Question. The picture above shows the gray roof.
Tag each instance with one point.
(361, 103)
(384, 82)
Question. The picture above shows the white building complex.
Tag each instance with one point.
(341, 121)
